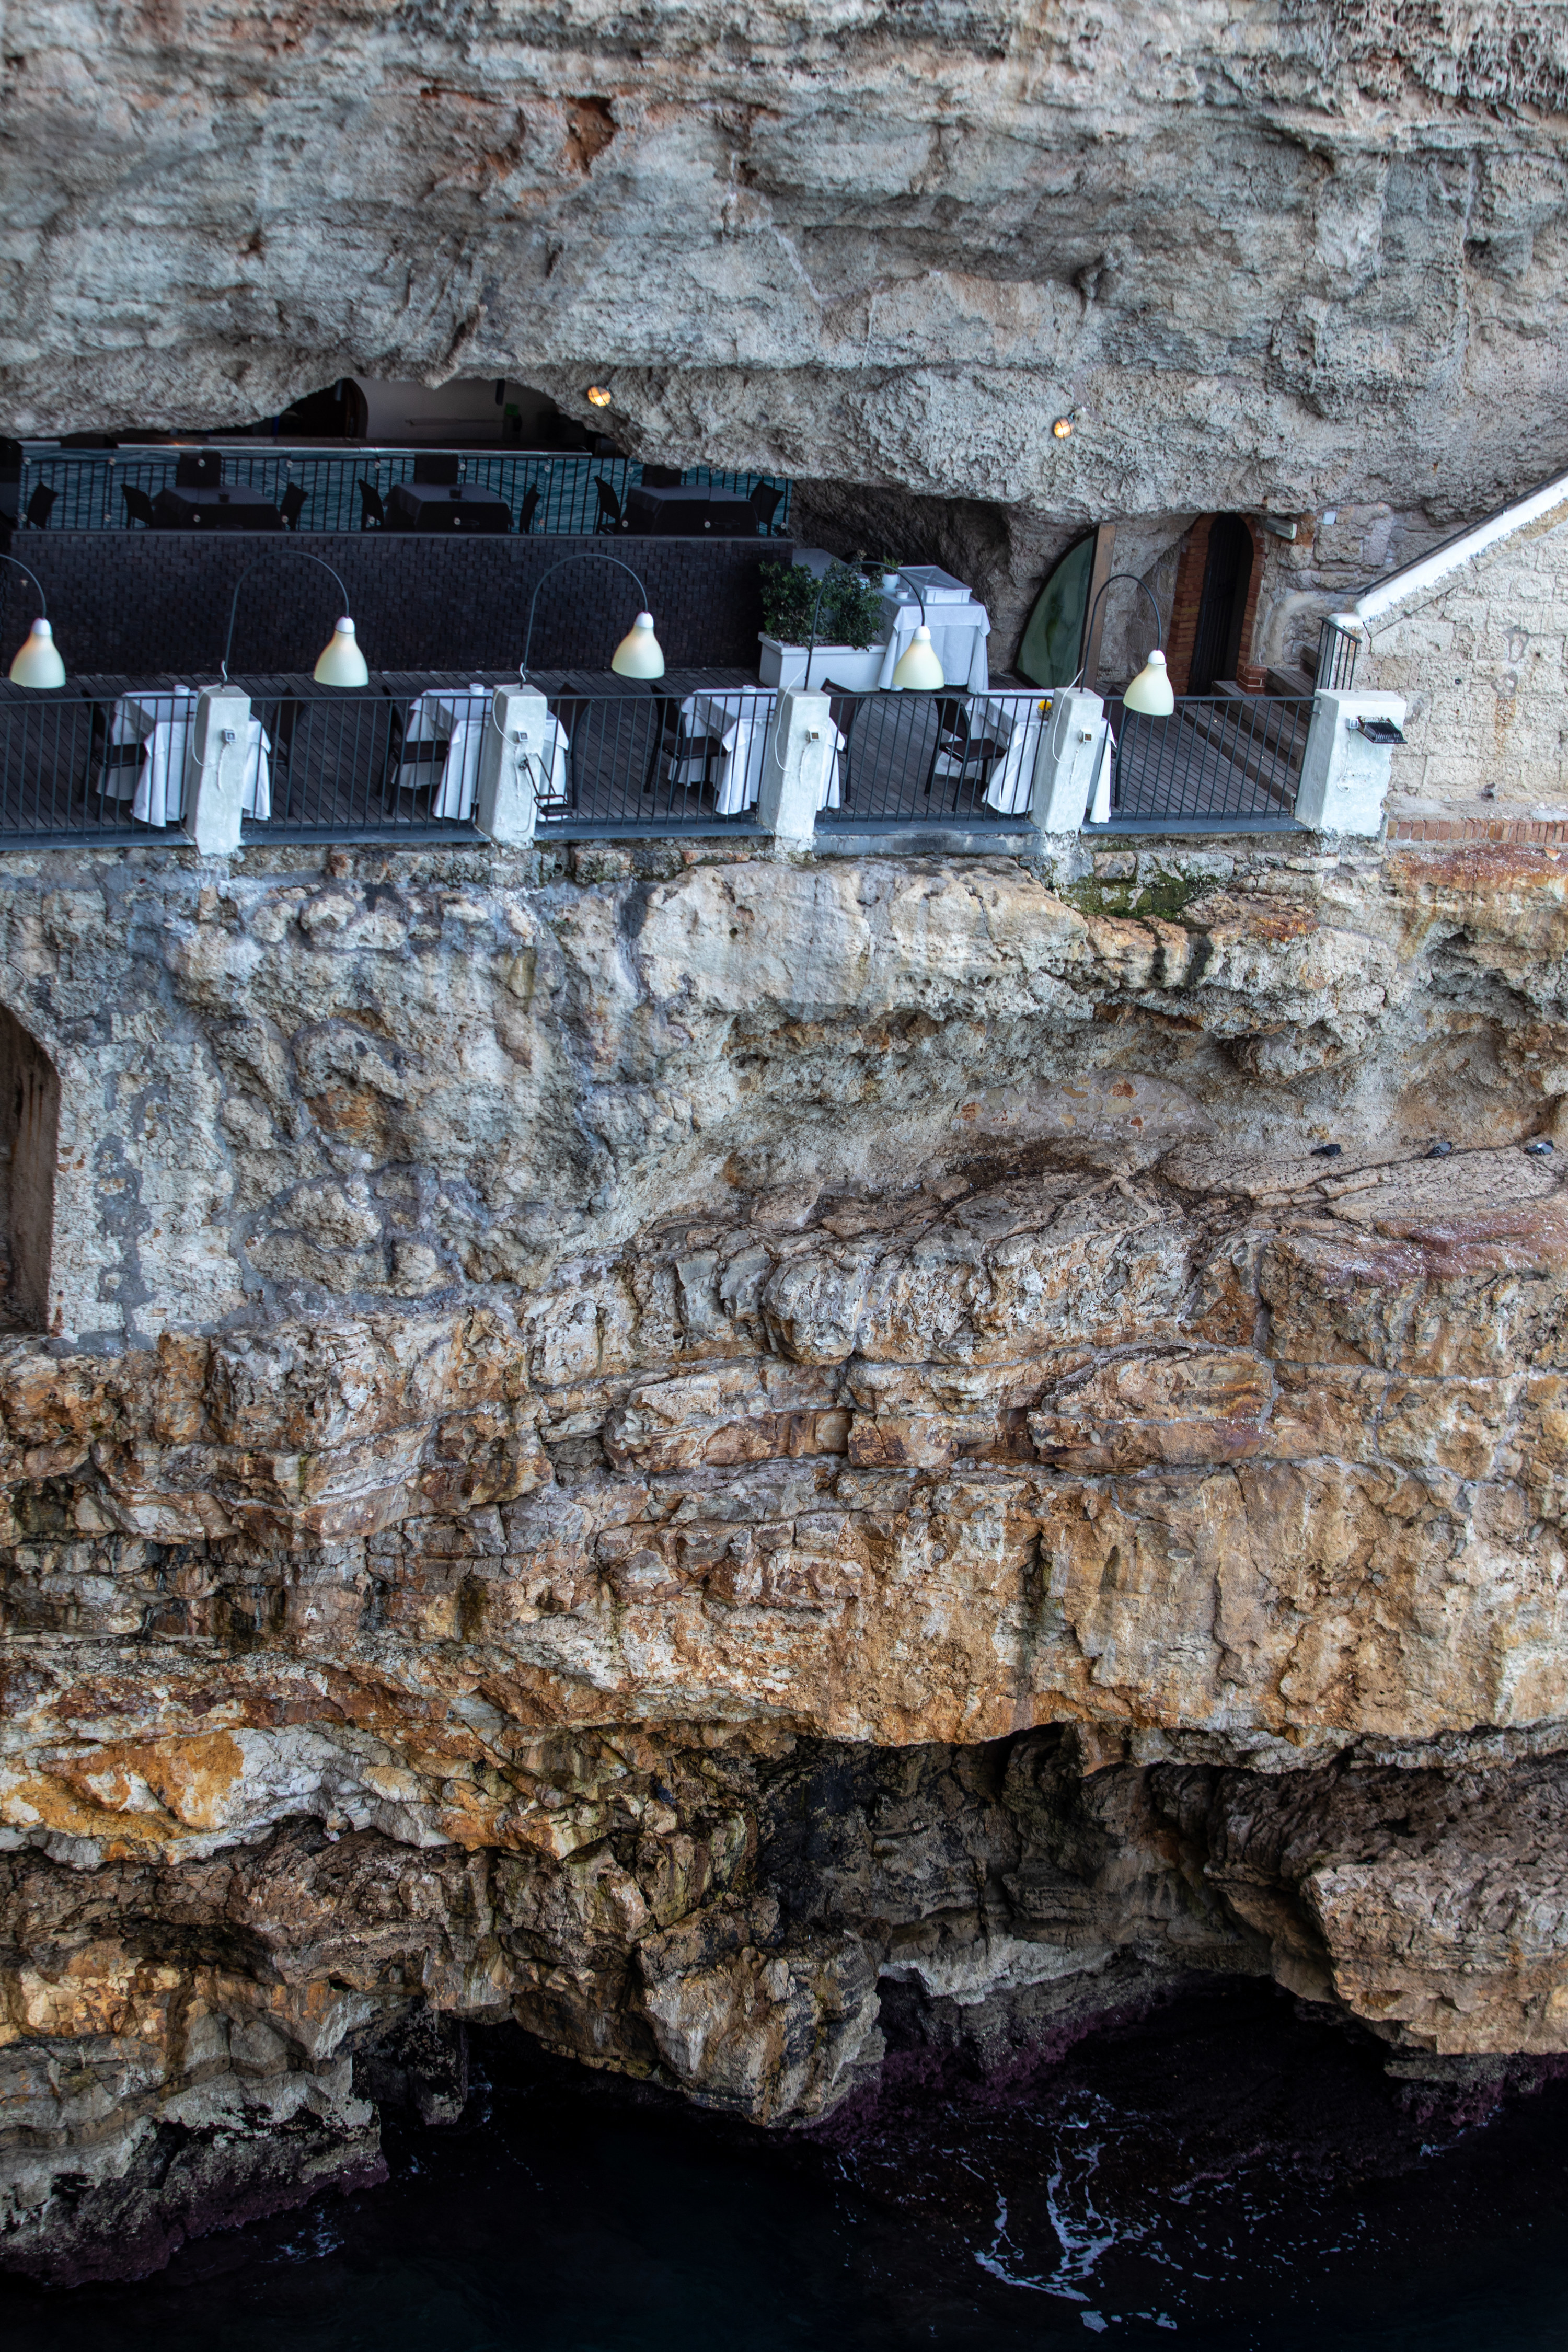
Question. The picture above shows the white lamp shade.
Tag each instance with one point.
(342, 661)
(1150, 691)
(38, 663)
(640, 653)
(918, 665)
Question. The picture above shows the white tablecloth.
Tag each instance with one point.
(1019, 726)
(743, 722)
(162, 724)
(958, 633)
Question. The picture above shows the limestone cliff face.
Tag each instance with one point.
(1297, 252)
(654, 1449)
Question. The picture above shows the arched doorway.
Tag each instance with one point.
(29, 1142)
(1221, 604)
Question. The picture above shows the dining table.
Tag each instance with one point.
(686, 510)
(446, 506)
(959, 624)
(228, 505)
(160, 724)
(446, 732)
(742, 721)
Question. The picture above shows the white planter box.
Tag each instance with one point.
(784, 664)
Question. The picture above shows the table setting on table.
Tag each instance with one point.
(959, 626)
(160, 726)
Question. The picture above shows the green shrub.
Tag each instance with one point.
(851, 611)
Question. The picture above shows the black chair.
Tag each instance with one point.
(766, 505)
(436, 473)
(39, 506)
(843, 708)
(202, 469)
(684, 763)
(609, 507)
(962, 758)
(291, 506)
(661, 478)
(530, 508)
(138, 506)
(371, 513)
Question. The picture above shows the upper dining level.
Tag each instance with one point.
(245, 486)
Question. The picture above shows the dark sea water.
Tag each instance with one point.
(1220, 2172)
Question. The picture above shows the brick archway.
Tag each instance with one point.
(1187, 601)
(29, 1145)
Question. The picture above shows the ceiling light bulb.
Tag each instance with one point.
(1150, 690)
(598, 396)
(640, 653)
(342, 661)
(38, 663)
(1062, 427)
(919, 667)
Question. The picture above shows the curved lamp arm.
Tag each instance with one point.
(43, 608)
(816, 607)
(1110, 582)
(299, 554)
(565, 559)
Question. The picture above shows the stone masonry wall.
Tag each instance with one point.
(1483, 662)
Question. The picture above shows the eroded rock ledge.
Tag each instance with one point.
(1105, 1542)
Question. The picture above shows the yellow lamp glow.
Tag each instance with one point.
(640, 653)
(1150, 691)
(599, 397)
(919, 667)
(342, 661)
(38, 663)
(1062, 429)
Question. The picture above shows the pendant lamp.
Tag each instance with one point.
(919, 667)
(342, 661)
(38, 663)
(640, 653)
(1150, 691)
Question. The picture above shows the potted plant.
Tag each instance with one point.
(847, 648)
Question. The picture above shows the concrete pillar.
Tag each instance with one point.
(513, 764)
(1064, 765)
(795, 765)
(1344, 777)
(217, 751)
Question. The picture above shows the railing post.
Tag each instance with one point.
(1344, 773)
(516, 744)
(1064, 765)
(800, 743)
(217, 751)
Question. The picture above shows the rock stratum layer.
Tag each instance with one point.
(680, 1451)
(1294, 252)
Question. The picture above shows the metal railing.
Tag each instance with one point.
(88, 486)
(1219, 761)
(1337, 650)
(71, 764)
(107, 760)
(958, 759)
(620, 758)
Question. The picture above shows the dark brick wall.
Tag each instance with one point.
(156, 603)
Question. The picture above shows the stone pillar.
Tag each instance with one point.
(1344, 778)
(1064, 765)
(517, 736)
(217, 749)
(794, 764)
